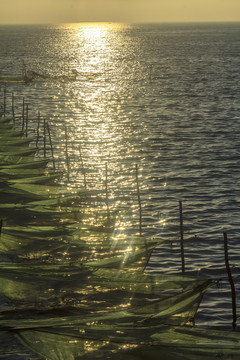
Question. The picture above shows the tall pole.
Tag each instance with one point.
(106, 188)
(181, 236)
(234, 311)
(66, 152)
(139, 202)
(44, 138)
(26, 120)
(4, 101)
(13, 110)
(83, 168)
(51, 145)
(38, 128)
(23, 115)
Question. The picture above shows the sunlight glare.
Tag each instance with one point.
(94, 33)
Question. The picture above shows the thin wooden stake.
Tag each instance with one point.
(83, 168)
(44, 138)
(139, 203)
(13, 110)
(1, 223)
(38, 128)
(4, 101)
(181, 236)
(26, 120)
(23, 114)
(106, 188)
(66, 152)
(234, 311)
(50, 140)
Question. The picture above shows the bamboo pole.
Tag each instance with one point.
(181, 236)
(13, 105)
(50, 140)
(106, 189)
(83, 168)
(23, 113)
(4, 101)
(44, 138)
(66, 153)
(139, 202)
(26, 120)
(234, 311)
(38, 128)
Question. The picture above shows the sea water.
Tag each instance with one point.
(163, 96)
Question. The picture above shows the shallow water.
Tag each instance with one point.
(164, 96)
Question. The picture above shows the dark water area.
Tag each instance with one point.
(164, 96)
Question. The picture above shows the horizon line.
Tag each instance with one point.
(126, 22)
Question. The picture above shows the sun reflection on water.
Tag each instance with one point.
(100, 128)
(94, 32)
(96, 47)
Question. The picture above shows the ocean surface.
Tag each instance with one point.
(163, 96)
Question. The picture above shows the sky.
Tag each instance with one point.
(67, 11)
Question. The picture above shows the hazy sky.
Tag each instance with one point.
(55, 11)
